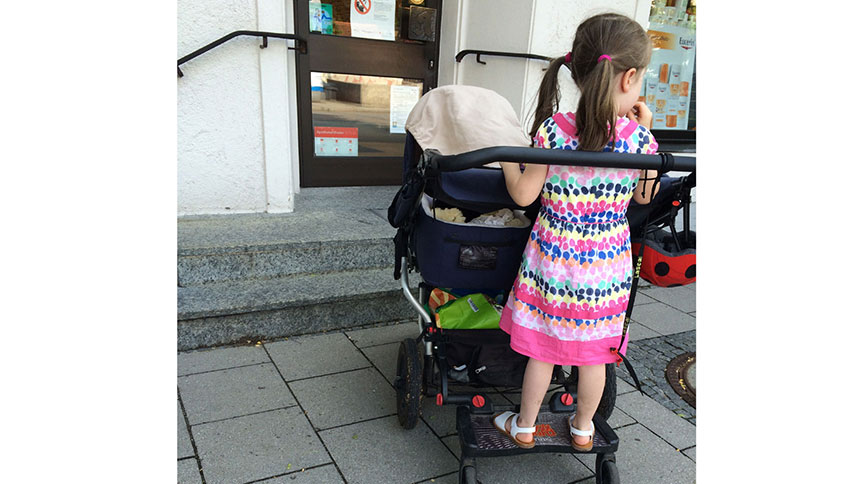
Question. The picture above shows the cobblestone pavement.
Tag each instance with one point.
(649, 358)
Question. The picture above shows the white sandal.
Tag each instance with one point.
(582, 433)
(499, 422)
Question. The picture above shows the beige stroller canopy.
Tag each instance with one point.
(455, 119)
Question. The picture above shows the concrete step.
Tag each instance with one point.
(262, 246)
(238, 311)
(222, 264)
(328, 265)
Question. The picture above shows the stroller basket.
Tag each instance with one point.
(467, 255)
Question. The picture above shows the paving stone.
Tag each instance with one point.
(443, 420)
(453, 444)
(345, 398)
(637, 331)
(219, 359)
(643, 458)
(682, 298)
(453, 478)
(327, 474)
(620, 419)
(307, 356)
(381, 450)
(623, 386)
(234, 392)
(664, 422)
(663, 319)
(691, 453)
(384, 358)
(183, 440)
(187, 472)
(257, 446)
(385, 334)
(642, 298)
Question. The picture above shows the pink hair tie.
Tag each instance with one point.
(567, 58)
(604, 56)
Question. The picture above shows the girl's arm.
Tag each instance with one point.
(524, 187)
(647, 180)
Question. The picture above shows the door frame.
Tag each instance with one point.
(347, 55)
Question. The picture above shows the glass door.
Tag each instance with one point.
(367, 64)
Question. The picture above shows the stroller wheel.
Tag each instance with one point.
(468, 475)
(607, 401)
(468, 471)
(606, 471)
(407, 383)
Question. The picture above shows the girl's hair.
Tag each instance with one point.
(610, 34)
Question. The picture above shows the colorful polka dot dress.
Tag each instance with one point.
(569, 300)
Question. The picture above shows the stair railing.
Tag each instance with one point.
(301, 44)
(478, 53)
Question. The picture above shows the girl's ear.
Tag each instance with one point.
(628, 79)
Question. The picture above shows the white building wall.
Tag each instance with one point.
(543, 27)
(504, 26)
(234, 146)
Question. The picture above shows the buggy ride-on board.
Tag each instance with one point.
(480, 438)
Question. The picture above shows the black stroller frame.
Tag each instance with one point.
(422, 362)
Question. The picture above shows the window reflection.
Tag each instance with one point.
(357, 115)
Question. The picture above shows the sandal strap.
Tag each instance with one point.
(581, 433)
(515, 429)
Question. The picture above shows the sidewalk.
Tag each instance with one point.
(321, 409)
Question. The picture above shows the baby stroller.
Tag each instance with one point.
(444, 169)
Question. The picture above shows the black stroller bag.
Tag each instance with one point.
(466, 255)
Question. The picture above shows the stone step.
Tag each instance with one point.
(222, 264)
(320, 238)
(238, 311)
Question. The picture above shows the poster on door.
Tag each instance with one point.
(403, 99)
(335, 141)
(372, 19)
(669, 75)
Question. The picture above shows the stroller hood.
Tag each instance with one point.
(456, 119)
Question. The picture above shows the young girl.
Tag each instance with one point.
(568, 303)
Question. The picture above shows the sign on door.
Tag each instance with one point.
(334, 141)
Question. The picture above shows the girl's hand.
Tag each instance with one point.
(641, 114)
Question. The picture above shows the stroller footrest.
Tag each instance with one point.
(479, 437)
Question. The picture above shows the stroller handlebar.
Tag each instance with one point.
(437, 162)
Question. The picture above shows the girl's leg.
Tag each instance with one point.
(589, 390)
(535, 383)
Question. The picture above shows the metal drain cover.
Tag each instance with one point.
(681, 374)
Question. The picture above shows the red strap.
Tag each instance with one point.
(618, 359)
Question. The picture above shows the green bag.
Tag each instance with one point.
(469, 312)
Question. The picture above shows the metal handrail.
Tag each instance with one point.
(479, 53)
(301, 44)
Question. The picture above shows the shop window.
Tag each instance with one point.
(669, 89)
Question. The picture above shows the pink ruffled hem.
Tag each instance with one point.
(546, 348)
